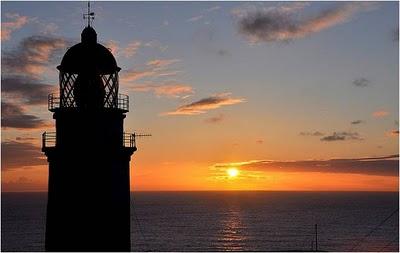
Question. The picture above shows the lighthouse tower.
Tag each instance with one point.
(88, 194)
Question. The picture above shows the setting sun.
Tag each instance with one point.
(232, 172)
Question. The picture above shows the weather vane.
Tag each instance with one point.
(89, 15)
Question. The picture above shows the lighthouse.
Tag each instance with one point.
(88, 205)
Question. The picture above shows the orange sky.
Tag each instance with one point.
(213, 91)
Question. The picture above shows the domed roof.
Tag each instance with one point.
(88, 56)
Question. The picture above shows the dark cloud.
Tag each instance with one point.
(380, 166)
(288, 22)
(215, 119)
(357, 122)
(316, 133)
(342, 136)
(30, 90)
(361, 82)
(13, 116)
(20, 154)
(33, 55)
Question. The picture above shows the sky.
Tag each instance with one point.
(300, 96)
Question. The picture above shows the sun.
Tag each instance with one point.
(232, 172)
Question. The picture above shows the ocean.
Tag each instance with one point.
(230, 221)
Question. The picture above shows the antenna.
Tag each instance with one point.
(142, 135)
(89, 15)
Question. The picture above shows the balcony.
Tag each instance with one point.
(129, 140)
(54, 103)
(49, 140)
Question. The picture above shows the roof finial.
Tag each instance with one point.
(89, 15)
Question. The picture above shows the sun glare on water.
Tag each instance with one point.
(232, 172)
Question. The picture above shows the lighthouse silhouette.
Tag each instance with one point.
(89, 154)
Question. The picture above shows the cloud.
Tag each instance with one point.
(156, 44)
(30, 91)
(392, 133)
(357, 122)
(16, 22)
(195, 18)
(13, 116)
(260, 141)
(316, 133)
(206, 104)
(153, 69)
(33, 55)
(160, 63)
(379, 166)
(132, 48)
(169, 90)
(215, 119)
(214, 8)
(361, 82)
(380, 114)
(20, 154)
(113, 46)
(133, 75)
(288, 22)
(342, 136)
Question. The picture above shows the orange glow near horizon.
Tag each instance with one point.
(200, 177)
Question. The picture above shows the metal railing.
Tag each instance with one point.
(129, 140)
(48, 139)
(54, 103)
(123, 102)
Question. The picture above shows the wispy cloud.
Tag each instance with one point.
(113, 46)
(133, 75)
(214, 8)
(159, 63)
(168, 90)
(33, 55)
(380, 114)
(206, 104)
(342, 136)
(152, 69)
(287, 22)
(215, 119)
(15, 22)
(195, 18)
(315, 133)
(131, 49)
(14, 116)
(380, 166)
(361, 82)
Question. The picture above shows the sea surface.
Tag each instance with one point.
(230, 221)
